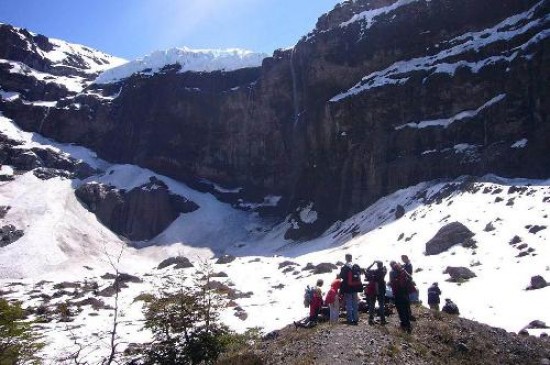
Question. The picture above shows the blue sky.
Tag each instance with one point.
(134, 28)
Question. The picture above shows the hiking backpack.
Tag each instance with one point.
(308, 296)
(354, 279)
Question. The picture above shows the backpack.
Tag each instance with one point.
(308, 296)
(371, 275)
(354, 279)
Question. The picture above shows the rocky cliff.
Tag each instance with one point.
(379, 96)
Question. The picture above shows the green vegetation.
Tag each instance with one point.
(18, 344)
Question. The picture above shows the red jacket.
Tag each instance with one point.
(333, 292)
(316, 303)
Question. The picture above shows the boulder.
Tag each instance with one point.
(448, 236)
(399, 212)
(225, 259)
(459, 273)
(537, 282)
(537, 324)
(181, 262)
(324, 268)
(286, 264)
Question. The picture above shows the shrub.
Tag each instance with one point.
(18, 343)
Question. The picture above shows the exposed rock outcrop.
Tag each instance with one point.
(9, 234)
(448, 236)
(537, 282)
(139, 214)
(226, 259)
(180, 262)
(459, 274)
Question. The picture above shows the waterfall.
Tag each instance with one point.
(294, 88)
(46, 114)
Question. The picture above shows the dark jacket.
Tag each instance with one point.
(433, 294)
(450, 307)
(345, 274)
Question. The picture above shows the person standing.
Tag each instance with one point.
(433, 297)
(333, 301)
(407, 266)
(351, 285)
(400, 283)
(376, 290)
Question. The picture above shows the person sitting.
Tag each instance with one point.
(315, 305)
(450, 307)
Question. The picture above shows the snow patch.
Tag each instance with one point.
(467, 114)
(368, 17)
(308, 215)
(522, 143)
(9, 95)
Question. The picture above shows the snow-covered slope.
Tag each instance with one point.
(94, 60)
(64, 242)
(196, 60)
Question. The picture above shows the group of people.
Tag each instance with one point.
(344, 294)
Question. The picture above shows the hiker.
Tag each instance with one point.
(433, 296)
(400, 282)
(351, 285)
(450, 307)
(333, 300)
(314, 297)
(413, 294)
(376, 290)
(407, 266)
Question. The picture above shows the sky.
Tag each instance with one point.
(135, 28)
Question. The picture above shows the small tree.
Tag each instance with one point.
(185, 325)
(18, 343)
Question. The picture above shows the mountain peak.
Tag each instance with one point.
(195, 60)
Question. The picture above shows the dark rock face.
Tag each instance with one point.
(434, 97)
(140, 214)
(448, 236)
(9, 234)
(180, 262)
(459, 273)
(44, 162)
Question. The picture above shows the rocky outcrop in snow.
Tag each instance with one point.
(448, 236)
(459, 274)
(9, 234)
(139, 214)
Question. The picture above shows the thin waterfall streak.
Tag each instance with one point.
(294, 89)
(46, 114)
